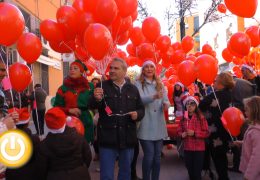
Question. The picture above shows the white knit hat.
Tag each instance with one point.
(180, 84)
(190, 98)
(150, 62)
(249, 68)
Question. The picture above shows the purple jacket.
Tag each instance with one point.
(250, 158)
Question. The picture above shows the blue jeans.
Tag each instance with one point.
(152, 159)
(107, 158)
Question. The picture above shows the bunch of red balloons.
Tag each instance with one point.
(90, 28)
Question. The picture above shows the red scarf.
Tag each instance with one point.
(79, 84)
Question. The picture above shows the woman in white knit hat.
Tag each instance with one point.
(152, 129)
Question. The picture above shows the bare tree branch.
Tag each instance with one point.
(142, 11)
(210, 15)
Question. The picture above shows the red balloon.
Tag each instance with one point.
(132, 60)
(178, 57)
(105, 12)
(158, 69)
(167, 57)
(222, 8)
(86, 19)
(186, 72)
(171, 71)
(76, 123)
(170, 92)
(29, 47)
(242, 8)
(252, 32)
(206, 68)
(85, 5)
(227, 55)
(163, 43)
(60, 47)
(197, 54)
(239, 44)
(134, 15)
(232, 119)
(237, 61)
(51, 31)
(173, 79)
(90, 67)
(121, 25)
(68, 20)
(176, 46)
(123, 38)
(97, 40)
(11, 23)
(130, 48)
(20, 76)
(145, 51)
(126, 7)
(136, 36)
(151, 28)
(187, 43)
(191, 57)
(81, 53)
(207, 49)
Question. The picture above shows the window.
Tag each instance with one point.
(45, 77)
(66, 67)
(196, 23)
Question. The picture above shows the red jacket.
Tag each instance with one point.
(200, 127)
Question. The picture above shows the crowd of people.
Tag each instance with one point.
(119, 114)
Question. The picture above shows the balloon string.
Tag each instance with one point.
(117, 31)
(36, 109)
(20, 101)
(7, 72)
(66, 46)
(232, 139)
(216, 99)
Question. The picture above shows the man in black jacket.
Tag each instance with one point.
(120, 107)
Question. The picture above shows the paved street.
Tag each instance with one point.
(172, 167)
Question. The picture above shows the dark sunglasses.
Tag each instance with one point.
(2, 69)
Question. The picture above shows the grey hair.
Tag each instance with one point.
(124, 65)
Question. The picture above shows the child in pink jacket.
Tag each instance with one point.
(250, 158)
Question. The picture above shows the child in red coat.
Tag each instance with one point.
(193, 130)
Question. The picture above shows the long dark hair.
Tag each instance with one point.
(177, 92)
(197, 112)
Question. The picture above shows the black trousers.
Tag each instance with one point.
(219, 157)
(236, 157)
(133, 164)
(40, 128)
(194, 163)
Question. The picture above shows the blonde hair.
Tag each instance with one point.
(226, 80)
(159, 85)
(253, 106)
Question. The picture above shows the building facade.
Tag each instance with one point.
(48, 70)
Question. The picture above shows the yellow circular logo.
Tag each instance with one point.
(15, 148)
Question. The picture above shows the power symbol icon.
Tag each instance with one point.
(15, 148)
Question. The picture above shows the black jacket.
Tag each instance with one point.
(118, 131)
(213, 114)
(64, 156)
(25, 172)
